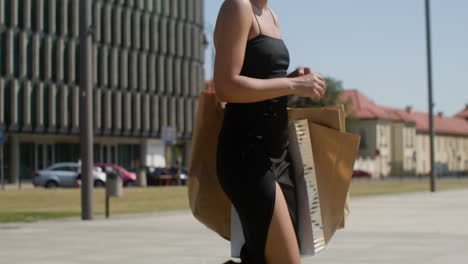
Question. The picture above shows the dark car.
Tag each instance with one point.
(362, 174)
(179, 178)
(157, 176)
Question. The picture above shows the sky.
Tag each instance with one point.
(377, 47)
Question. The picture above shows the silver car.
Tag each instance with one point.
(65, 174)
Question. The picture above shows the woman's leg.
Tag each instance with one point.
(281, 245)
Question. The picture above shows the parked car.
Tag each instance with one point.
(158, 176)
(362, 174)
(65, 174)
(162, 176)
(128, 178)
(149, 171)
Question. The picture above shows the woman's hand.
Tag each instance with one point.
(308, 84)
(301, 71)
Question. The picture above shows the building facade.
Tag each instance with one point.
(395, 142)
(148, 71)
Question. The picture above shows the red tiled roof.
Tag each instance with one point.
(451, 125)
(463, 113)
(209, 86)
(363, 108)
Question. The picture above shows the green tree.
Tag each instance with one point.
(332, 96)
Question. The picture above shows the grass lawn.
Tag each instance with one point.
(367, 188)
(40, 204)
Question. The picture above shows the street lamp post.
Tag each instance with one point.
(86, 107)
(431, 104)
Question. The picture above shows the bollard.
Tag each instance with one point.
(141, 177)
(113, 188)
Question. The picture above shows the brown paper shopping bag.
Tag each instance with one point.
(333, 117)
(323, 158)
(208, 202)
(334, 155)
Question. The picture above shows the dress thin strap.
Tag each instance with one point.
(273, 17)
(260, 28)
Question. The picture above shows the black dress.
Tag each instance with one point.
(252, 152)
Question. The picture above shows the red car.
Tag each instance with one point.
(362, 174)
(128, 178)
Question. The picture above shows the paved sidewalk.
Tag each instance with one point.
(14, 187)
(410, 228)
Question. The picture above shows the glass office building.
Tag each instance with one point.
(148, 71)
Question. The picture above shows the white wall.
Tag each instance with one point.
(155, 153)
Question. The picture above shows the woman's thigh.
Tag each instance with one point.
(281, 246)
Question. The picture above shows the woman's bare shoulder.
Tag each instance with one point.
(237, 3)
(233, 18)
(235, 6)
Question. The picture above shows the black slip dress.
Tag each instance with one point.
(252, 152)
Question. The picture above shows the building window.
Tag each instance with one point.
(40, 157)
(26, 160)
(50, 155)
(406, 138)
(411, 138)
(363, 144)
(66, 152)
(105, 153)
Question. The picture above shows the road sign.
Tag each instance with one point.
(169, 135)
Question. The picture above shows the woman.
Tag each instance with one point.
(251, 76)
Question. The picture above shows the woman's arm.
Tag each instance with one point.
(231, 35)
